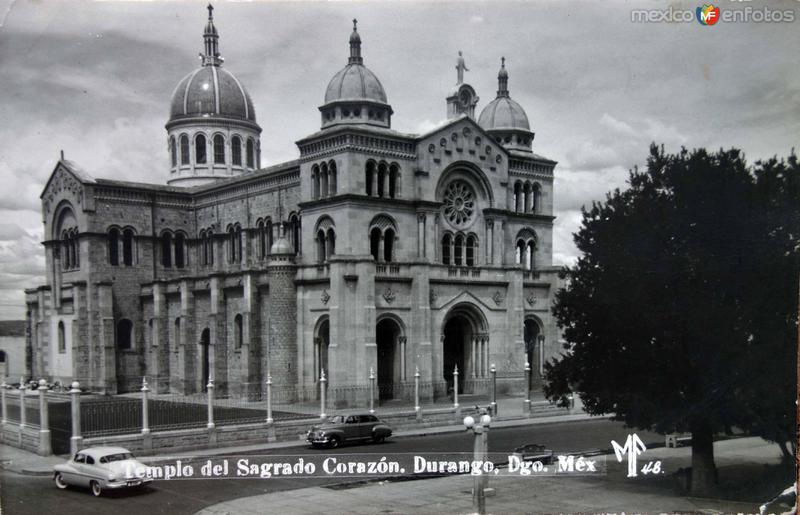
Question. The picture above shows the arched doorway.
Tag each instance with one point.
(205, 359)
(466, 345)
(531, 334)
(387, 337)
(322, 340)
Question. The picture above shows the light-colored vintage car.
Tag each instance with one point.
(101, 468)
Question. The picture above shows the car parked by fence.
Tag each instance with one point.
(100, 468)
(345, 428)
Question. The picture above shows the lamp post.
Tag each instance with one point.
(526, 407)
(416, 391)
(493, 370)
(480, 429)
(371, 390)
(210, 387)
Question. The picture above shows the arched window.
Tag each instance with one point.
(330, 246)
(127, 247)
(369, 179)
(180, 250)
(200, 149)
(388, 245)
(237, 332)
(529, 253)
(185, 160)
(65, 263)
(381, 178)
(173, 154)
(294, 225)
(113, 247)
(519, 252)
(375, 243)
(447, 242)
(236, 151)
(219, 149)
(315, 181)
(537, 198)
(251, 153)
(458, 250)
(261, 239)
(332, 178)
(323, 180)
(166, 250)
(394, 181)
(235, 244)
(62, 338)
(73, 248)
(268, 231)
(471, 249)
(321, 255)
(124, 334)
(206, 248)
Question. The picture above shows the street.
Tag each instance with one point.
(35, 495)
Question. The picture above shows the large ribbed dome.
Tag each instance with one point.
(355, 82)
(503, 113)
(211, 91)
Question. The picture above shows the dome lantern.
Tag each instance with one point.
(505, 119)
(355, 95)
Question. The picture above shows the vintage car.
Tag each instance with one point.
(101, 468)
(534, 452)
(344, 428)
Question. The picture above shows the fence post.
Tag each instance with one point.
(417, 408)
(145, 414)
(210, 387)
(45, 447)
(455, 388)
(526, 406)
(493, 370)
(322, 382)
(3, 389)
(76, 440)
(371, 390)
(21, 407)
(269, 399)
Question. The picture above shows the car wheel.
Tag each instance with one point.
(59, 481)
(97, 491)
(378, 439)
(335, 442)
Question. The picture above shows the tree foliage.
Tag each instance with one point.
(680, 314)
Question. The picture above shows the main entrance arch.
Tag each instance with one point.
(465, 344)
(205, 359)
(532, 334)
(389, 337)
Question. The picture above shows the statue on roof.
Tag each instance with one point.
(461, 68)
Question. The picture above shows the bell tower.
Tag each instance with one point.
(462, 99)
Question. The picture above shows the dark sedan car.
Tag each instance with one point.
(344, 428)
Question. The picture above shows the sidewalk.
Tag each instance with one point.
(23, 462)
(613, 492)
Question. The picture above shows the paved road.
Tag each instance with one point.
(36, 495)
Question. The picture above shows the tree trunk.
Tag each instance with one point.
(704, 472)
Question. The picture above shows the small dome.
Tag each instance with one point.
(211, 90)
(504, 113)
(281, 246)
(355, 82)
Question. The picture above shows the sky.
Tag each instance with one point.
(94, 79)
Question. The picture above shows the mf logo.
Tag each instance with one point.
(633, 447)
(708, 14)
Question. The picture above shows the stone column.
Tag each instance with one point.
(374, 185)
(402, 342)
(474, 357)
(380, 249)
(490, 242)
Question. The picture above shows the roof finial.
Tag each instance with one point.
(211, 41)
(355, 45)
(62, 154)
(461, 68)
(502, 79)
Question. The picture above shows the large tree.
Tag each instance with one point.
(671, 316)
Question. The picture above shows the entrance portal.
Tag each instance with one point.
(205, 364)
(457, 335)
(531, 336)
(387, 336)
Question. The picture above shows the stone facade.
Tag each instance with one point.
(375, 250)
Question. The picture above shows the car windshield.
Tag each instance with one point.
(337, 419)
(120, 456)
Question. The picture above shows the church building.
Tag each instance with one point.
(374, 251)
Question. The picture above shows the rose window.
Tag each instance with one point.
(459, 203)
